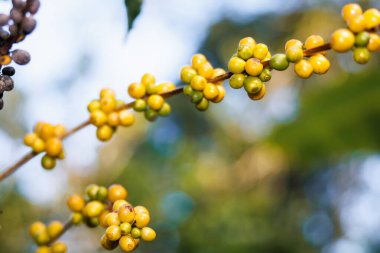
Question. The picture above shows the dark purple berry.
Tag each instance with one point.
(21, 57)
(34, 6)
(8, 83)
(3, 19)
(28, 25)
(8, 71)
(16, 15)
(1, 103)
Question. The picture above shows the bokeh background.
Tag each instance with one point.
(296, 172)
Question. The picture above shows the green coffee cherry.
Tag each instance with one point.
(362, 39)
(135, 232)
(92, 222)
(252, 84)
(279, 62)
(245, 52)
(165, 110)
(196, 97)
(140, 105)
(203, 104)
(102, 193)
(266, 75)
(92, 191)
(187, 90)
(125, 228)
(237, 81)
(361, 55)
(150, 114)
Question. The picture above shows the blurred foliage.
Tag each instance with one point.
(212, 190)
(133, 10)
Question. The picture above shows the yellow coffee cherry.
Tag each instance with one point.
(42, 238)
(53, 147)
(372, 18)
(294, 53)
(126, 213)
(54, 229)
(98, 118)
(104, 133)
(148, 234)
(118, 203)
(107, 244)
(59, 130)
(38, 127)
(303, 69)
(253, 67)
(48, 162)
(374, 42)
(236, 65)
(112, 219)
(36, 228)
(141, 209)
(61, 156)
(221, 94)
(259, 95)
(314, 41)
(211, 91)
(351, 10)
(29, 139)
(113, 233)
(137, 90)
(187, 74)
(93, 209)
(58, 247)
(155, 102)
(342, 40)
(108, 105)
(76, 218)
(5, 60)
(127, 243)
(47, 131)
(75, 203)
(356, 23)
(148, 79)
(93, 105)
(126, 118)
(249, 41)
(103, 218)
(198, 61)
(165, 87)
(267, 57)
(107, 93)
(116, 192)
(320, 64)
(38, 146)
(113, 119)
(206, 70)
(218, 72)
(293, 42)
(198, 83)
(260, 51)
(142, 220)
(125, 228)
(43, 249)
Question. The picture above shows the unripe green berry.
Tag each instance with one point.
(150, 114)
(165, 110)
(139, 105)
(135, 232)
(361, 55)
(92, 222)
(362, 39)
(102, 193)
(92, 191)
(125, 228)
(266, 75)
(203, 104)
(279, 62)
(237, 81)
(48, 162)
(245, 52)
(252, 84)
(196, 97)
(187, 90)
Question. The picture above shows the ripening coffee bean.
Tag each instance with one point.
(196, 97)
(3, 19)
(139, 105)
(113, 233)
(150, 115)
(116, 192)
(148, 234)
(34, 6)
(362, 39)
(28, 25)
(16, 15)
(203, 105)
(136, 232)
(127, 243)
(361, 55)
(8, 83)
(237, 81)
(279, 62)
(21, 57)
(54, 228)
(187, 90)
(266, 75)
(252, 84)
(8, 71)
(107, 244)
(58, 247)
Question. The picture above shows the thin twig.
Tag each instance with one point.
(26, 158)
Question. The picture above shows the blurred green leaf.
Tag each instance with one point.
(133, 10)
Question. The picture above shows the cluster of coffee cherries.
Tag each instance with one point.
(148, 97)
(200, 85)
(249, 67)
(45, 235)
(13, 29)
(361, 35)
(304, 65)
(108, 207)
(107, 113)
(47, 138)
